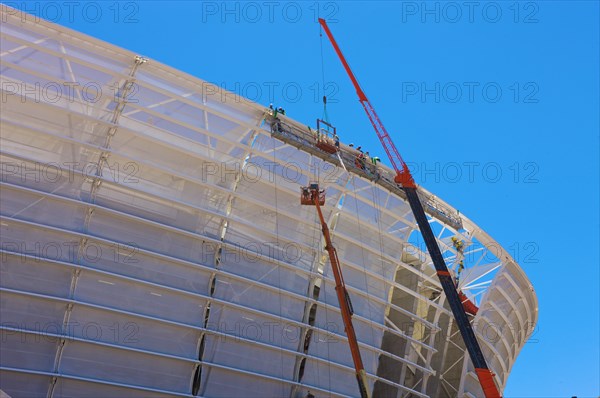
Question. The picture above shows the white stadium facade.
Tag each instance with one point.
(153, 244)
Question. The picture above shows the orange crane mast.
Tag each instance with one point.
(405, 179)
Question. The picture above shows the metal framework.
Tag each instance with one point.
(152, 244)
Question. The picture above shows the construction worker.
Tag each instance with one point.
(337, 140)
(305, 194)
(360, 161)
(459, 246)
(376, 172)
(461, 267)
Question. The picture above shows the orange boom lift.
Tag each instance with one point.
(312, 195)
(405, 179)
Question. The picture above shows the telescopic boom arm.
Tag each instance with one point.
(405, 179)
(314, 196)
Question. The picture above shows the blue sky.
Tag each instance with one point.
(494, 104)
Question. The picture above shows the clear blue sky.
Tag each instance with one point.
(496, 103)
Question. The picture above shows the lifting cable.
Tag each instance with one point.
(325, 117)
(325, 333)
(377, 201)
(325, 114)
(277, 245)
(364, 259)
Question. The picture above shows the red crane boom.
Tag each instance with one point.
(405, 179)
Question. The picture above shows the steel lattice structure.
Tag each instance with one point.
(153, 244)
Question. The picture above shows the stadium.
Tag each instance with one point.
(154, 244)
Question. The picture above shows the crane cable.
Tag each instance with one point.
(364, 258)
(277, 245)
(325, 114)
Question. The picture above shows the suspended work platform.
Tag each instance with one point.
(309, 140)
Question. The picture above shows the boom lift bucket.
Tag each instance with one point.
(307, 195)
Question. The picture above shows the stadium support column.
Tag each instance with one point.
(197, 388)
(95, 182)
